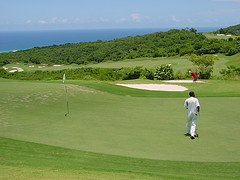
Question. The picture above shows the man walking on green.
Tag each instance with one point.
(193, 107)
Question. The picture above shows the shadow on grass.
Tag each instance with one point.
(189, 135)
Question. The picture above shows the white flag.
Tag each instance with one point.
(63, 78)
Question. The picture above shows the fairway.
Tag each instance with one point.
(109, 119)
(181, 64)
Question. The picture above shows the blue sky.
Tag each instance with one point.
(107, 14)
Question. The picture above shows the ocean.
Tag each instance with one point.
(21, 40)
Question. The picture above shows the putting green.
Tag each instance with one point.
(144, 127)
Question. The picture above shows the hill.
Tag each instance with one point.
(160, 44)
(234, 30)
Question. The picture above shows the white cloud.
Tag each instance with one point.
(57, 20)
(42, 22)
(174, 18)
(63, 20)
(189, 20)
(78, 20)
(54, 20)
(136, 17)
(104, 20)
(28, 21)
(122, 19)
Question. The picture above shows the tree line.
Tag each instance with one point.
(160, 44)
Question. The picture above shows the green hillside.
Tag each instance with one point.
(160, 44)
(233, 30)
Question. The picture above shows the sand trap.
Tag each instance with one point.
(156, 87)
(16, 69)
(183, 81)
(13, 71)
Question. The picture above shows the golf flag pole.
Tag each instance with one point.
(64, 78)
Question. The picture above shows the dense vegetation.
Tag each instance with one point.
(159, 44)
(234, 30)
(82, 73)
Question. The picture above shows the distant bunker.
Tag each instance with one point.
(161, 87)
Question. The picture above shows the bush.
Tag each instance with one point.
(132, 73)
(148, 74)
(205, 73)
(179, 75)
(232, 72)
(164, 72)
(231, 51)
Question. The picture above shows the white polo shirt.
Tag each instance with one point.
(191, 104)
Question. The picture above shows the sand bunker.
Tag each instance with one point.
(156, 87)
(183, 81)
(16, 69)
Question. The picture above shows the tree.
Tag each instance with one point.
(204, 64)
(221, 31)
(193, 30)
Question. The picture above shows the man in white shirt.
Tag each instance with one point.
(193, 107)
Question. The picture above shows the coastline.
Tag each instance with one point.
(23, 40)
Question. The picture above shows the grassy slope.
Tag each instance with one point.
(39, 125)
(35, 161)
(179, 64)
(124, 122)
(212, 36)
(212, 88)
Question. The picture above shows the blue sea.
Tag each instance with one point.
(21, 40)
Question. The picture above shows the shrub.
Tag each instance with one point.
(231, 51)
(148, 74)
(179, 75)
(232, 72)
(164, 72)
(205, 73)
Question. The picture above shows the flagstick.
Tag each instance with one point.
(67, 101)
(66, 95)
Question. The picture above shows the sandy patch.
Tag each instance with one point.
(156, 87)
(183, 81)
(16, 69)
(13, 71)
(41, 66)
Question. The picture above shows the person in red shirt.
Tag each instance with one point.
(194, 76)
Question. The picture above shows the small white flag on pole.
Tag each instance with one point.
(64, 78)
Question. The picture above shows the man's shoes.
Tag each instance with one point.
(192, 137)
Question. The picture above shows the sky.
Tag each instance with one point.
(21, 15)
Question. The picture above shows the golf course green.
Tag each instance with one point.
(115, 132)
